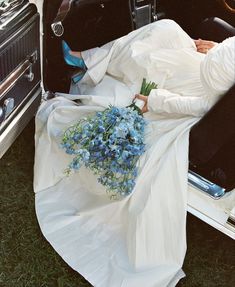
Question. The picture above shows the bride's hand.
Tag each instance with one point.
(145, 100)
(203, 46)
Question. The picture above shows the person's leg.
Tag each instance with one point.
(215, 29)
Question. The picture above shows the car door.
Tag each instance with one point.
(20, 91)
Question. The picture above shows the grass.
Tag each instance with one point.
(27, 259)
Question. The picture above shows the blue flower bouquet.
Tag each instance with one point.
(109, 144)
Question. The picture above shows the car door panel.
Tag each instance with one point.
(19, 69)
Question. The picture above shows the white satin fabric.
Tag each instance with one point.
(141, 240)
(218, 68)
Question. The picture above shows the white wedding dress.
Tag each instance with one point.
(140, 240)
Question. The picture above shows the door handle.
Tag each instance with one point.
(25, 69)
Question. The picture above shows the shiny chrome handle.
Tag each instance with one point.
(30, 75)
(25, 69)
(14, 77)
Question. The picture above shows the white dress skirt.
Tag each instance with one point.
(140, 240)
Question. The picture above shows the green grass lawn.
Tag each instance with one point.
(27, 259)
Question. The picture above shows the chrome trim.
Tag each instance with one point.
(10, 38)
(5, 8)
(211, 189)
(8, 106)
(57, 28)
(154, 11)
(2, 114)
(9, 6)
(13, 16)
(18, 108)
(18, 123)
(14, 77)
(142, 15)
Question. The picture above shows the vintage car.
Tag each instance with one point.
(27, 56)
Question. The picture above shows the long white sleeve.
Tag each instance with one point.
(162, 101)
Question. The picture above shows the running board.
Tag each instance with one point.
(211, 189)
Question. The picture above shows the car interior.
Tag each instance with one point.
(82, 34)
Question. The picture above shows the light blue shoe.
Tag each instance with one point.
(70, 59)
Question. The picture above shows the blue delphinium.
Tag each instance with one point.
(110, 144)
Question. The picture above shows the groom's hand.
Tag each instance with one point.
(145, 100)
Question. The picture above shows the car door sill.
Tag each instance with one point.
(217, 213)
